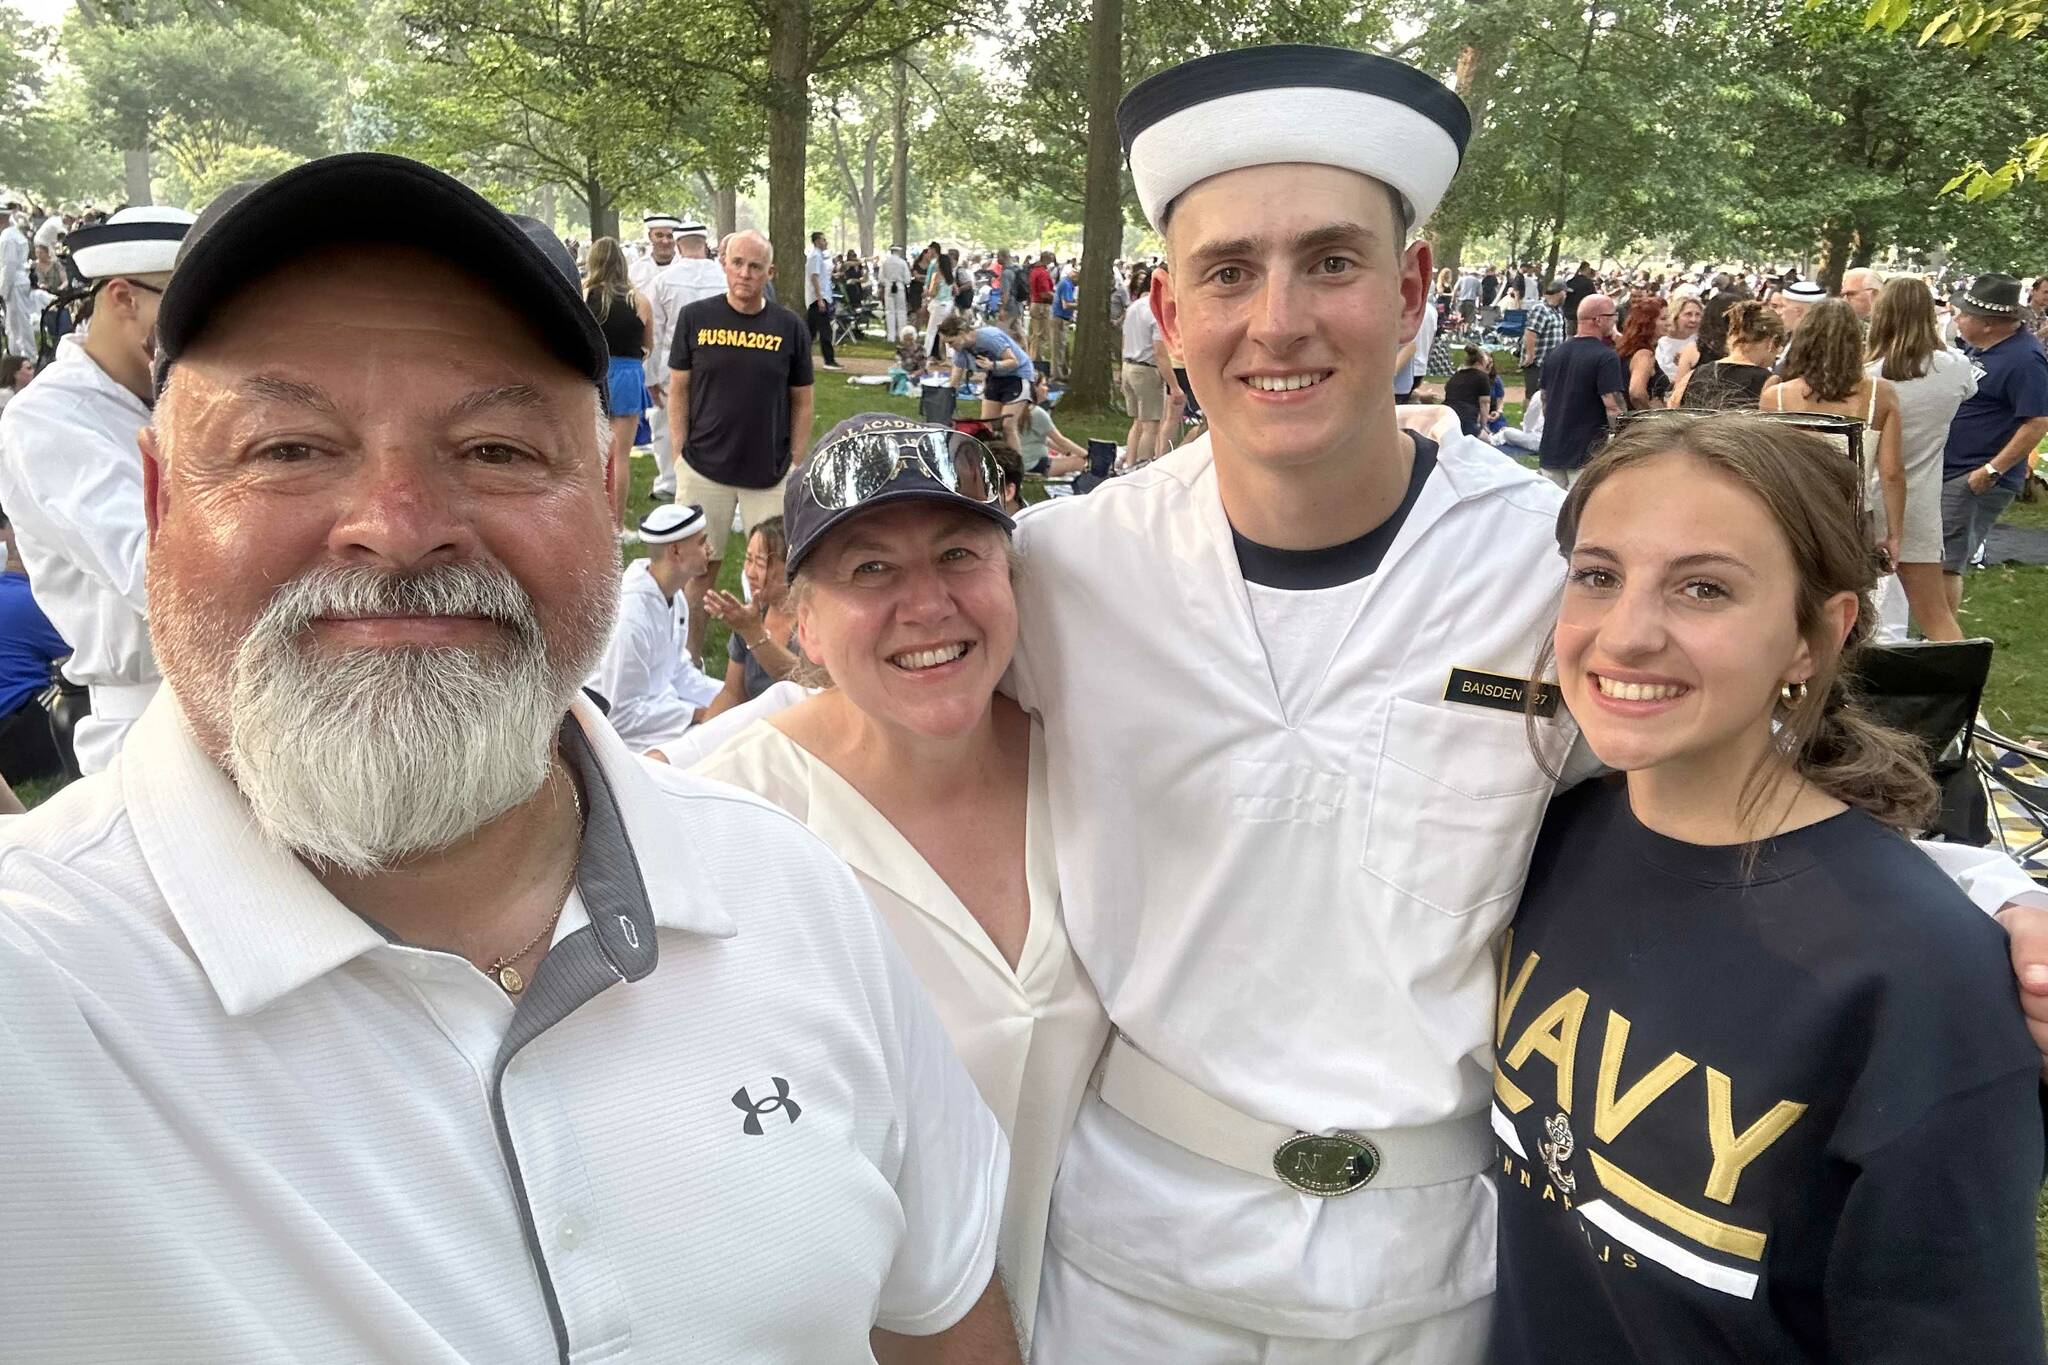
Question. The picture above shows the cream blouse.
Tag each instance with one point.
(1029, 1037)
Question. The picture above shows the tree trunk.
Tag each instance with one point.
(1096, 344)
(725, 211)
(789, 120)
(899, 163)
(602, 213)
(135, 175)
(1834, 257)
(869, 205)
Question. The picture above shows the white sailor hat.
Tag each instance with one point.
(670, 523)
(136, 241)
(1805, 291)
(690, 227)
(1261, 106)
(667, 220)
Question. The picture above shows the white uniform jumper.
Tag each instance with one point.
(679, 284)
(14, 291)
(893, 274)
(1290, 909)
(646, 673)
(71, 481)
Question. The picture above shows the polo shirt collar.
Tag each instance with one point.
(262, 925)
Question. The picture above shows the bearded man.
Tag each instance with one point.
(377, 1004)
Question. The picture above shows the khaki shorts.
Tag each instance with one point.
(1144, 392)
(719, 501)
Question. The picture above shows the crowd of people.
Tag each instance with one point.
(1946, 386)
(1204, 920)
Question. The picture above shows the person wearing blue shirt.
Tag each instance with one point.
(1066, 299)
(1992, 437)
(1007, 372)
(29, 645)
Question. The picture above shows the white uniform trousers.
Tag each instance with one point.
(894, 314)
(657, 423)
(21, 320)
(1082, 1321)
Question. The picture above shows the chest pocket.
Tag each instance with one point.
(1457, 796)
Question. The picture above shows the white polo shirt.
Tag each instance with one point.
(721, 1124)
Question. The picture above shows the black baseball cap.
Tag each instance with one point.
(255, 227)
(806, 521)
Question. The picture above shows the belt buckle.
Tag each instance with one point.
(1326, 1165)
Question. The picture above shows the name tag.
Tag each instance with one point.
(1499, 691)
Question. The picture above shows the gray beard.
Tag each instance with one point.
(360, 759)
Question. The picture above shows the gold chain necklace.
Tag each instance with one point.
(501, 969)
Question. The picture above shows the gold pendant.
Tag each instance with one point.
(511, 980)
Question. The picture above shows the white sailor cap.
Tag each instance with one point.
(667, 220)
(690, 227)
(1261, 106)
(136, 241)
(1805, 291)
(670, 523)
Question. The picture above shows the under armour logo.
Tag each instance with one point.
(753, 1110)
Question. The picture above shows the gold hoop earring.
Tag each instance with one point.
(1792, 693)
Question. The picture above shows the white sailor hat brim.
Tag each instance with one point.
(1265, 106)
(672, 522)
(137, 241)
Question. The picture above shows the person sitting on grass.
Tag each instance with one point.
(762, 650)
(910, 363)
(1037, 438)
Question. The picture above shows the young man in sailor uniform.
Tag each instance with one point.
(1286, 883)
(655, 691)
(71, 474)
(689, 276)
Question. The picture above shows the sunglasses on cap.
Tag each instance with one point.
(860, 464)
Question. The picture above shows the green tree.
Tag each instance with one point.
(512, 95)
(196, 90)
(42, 152)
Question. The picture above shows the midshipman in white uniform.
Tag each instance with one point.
(14, 284)
(646, 675)
(71, 473)
(690, 276)
(1285, 872)
(892, 273)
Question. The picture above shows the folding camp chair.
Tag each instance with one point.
(2015, 778)
(1931, 690)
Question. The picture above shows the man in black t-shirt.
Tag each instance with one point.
(1583, 384)
(739, 401)
(1582, 285)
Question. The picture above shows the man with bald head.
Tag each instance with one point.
(377, 1003)
(739, 401)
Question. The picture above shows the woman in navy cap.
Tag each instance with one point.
(929, 783)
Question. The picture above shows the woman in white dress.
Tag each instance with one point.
(1931, 382)
(929, 783)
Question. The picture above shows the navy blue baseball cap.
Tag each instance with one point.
(875, 459)
(255, 227)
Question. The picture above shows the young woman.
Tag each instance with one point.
(1764, 1092)
(1469, 391)
(628, 325)
(1647, 385)
(1823, 372)
(762, 649)
(1751, 336)
(930, 783)
(1006, 372)
(1683, 331)
(1931, 382)
(15, 372)
(1041, 438)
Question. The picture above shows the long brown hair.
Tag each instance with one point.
(1827, 352)
(1903, 336)
(1750, 321)
(604, 277)
(1827, 737)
